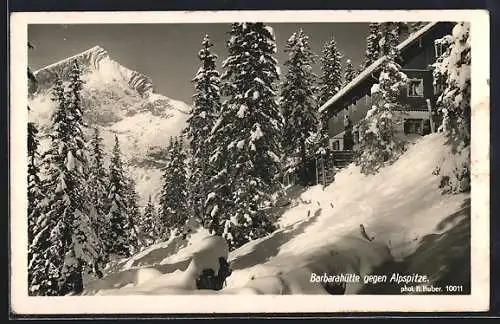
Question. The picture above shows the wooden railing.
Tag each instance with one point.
(343, 158)
(326, 166)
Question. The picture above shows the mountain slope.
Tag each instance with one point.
(121, 102)
(413, 229)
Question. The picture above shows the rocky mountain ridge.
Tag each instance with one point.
(122, 102)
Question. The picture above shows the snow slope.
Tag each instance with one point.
(415, 229)
(121, 102)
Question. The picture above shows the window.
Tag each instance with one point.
(356, 136)
(415, 88)
(336, 145)
(439, 49)
(418, 129)
(413, 126)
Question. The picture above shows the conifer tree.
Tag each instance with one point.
(148, 225)
(45, 261)
(201, 120)
(84, 244)
(378, 143)
(133, 216)
(164, 209)
(117, 238)
(298, 101)
(173, 196)
(373, 50)
(34, 183)
(331, 71)
(97, 186)
(452, 70)
(330, 83)
(389, 39)
(349, 72)
(246, 137)
(64, 240)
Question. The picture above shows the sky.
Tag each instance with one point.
(167, 53)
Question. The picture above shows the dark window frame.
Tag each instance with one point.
(408, 87)
(413, 126)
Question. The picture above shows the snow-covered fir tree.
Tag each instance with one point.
(65, 242)
(378, 143)
(34, 183)
(173, 195)
(389, 38)
(148, 224)
(331, 71)
(133, 216)
(331, 82)
(97, 187)
(452, 74)
(349, 72)
(246, 137)
(117, 237)
(84, 245)
(35, 196)
(372, 52)
(45, 261)
(33, 180)
(206, 108)
(298, 102)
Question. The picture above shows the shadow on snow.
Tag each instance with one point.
(443, 256)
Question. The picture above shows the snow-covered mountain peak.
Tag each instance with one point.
(121, 102)
(113, 89)
(98, 67)
(92, 55)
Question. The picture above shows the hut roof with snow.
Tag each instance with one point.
(412, 49)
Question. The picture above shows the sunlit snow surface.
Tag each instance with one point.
(412, 223)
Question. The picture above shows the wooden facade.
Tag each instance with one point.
(418, 53)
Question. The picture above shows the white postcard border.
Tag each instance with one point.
(478, 300)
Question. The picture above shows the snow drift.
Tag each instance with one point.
(414, 228)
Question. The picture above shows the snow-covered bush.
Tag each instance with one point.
(452, 73)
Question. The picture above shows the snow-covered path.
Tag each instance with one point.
(401, 208)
